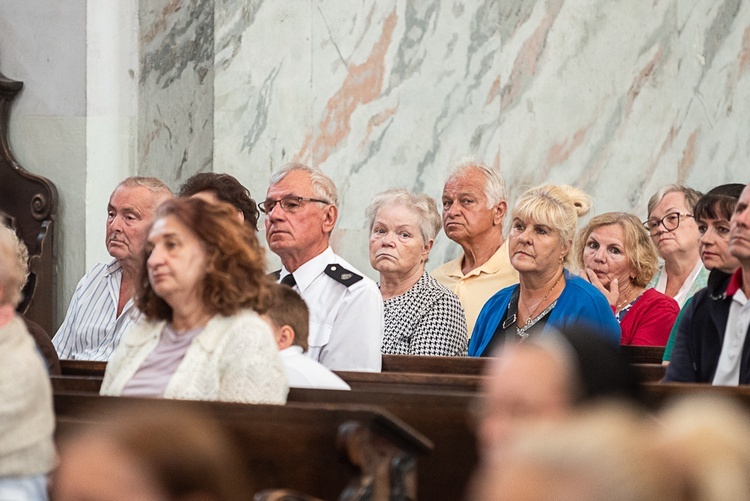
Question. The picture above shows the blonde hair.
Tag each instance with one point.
(639, 248)
(555, 206)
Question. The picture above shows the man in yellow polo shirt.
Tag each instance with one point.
(473, 210)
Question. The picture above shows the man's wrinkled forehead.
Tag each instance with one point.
(295, 183)
(138, 200)
(474, 186)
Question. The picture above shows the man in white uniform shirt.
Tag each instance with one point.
(102, 306)
(346, 308)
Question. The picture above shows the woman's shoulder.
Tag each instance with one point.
(427, 284)
(241, 319)
(654, 298)
(576, 286)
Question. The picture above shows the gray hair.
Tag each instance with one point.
(424, 206)
(156, 185)
(691, 196)
(494, 188)
(14, 268)
(323, 186)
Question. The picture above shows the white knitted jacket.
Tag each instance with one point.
(233, 359)
(27, 419)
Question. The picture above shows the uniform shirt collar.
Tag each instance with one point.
(309, 271)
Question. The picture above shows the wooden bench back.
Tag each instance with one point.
(292, 446)
(30, 201)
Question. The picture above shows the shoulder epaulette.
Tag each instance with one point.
(342, 275)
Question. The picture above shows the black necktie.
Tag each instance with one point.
(289, 280)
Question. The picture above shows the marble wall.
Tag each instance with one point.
(618, 98)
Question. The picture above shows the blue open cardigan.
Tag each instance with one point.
(580, 303)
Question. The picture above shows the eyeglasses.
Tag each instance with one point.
(288, 204)
(670, 222)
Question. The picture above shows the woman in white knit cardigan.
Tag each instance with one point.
(199, 337)
(27, 421)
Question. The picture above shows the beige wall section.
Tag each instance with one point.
(43, 43)
(111, 110)
(74, 122)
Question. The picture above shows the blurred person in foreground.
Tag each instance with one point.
(606, 451)
(545, 378)
(713, 213)
(421, 316)
(617, 256)
(548, 297)
(201, 284)
(146, 454)
(709, 437)
(711, 341)
(27, 421)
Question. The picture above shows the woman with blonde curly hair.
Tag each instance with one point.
(544, 222)
(202, 284)
(616, 255)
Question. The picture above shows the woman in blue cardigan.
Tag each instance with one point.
(548, 296)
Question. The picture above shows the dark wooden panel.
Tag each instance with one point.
(31, 203)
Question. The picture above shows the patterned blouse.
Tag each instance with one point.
(428, 319)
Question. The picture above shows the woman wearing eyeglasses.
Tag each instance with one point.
(675, 233)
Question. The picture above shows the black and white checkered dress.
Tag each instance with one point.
(428, 319)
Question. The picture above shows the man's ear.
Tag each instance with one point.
(330, 215)
(499, 209)
(285, 337)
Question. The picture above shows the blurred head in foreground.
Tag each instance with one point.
(709, 438)
(544, 379)
(602, 452)
(148, 455)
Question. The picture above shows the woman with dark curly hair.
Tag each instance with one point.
(201, 286)
(213, 187)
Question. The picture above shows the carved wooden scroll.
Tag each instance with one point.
(30, 202)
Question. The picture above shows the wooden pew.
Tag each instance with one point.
(80, 376)
(294, 446)
(643, 354)
(475, 365)
(659, 394)
(82, 368)
(444, 417)
(407, 381)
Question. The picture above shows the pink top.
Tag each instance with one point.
(649, 320)
(152, 377)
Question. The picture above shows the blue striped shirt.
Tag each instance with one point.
(91, 329)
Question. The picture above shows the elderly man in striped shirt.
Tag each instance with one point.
(102, 305)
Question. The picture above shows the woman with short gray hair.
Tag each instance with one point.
(421, 317)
